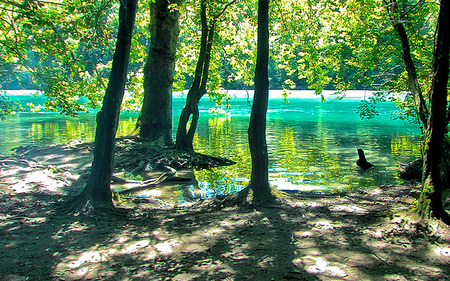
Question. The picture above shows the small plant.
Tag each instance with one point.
(130, 176)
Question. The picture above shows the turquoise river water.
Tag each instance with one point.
(312, 144)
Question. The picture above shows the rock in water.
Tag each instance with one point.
(362, 162)
(411, 171)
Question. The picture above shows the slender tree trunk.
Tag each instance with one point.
(97, 192)
(194, 95)
(419, 101)
(155, 119)
(189, 138)
(433, 182)
(185, 135)
(259, 182)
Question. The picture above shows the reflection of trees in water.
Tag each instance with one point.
(302, 155)
(406, 146)
(220, 136)
(67, 129)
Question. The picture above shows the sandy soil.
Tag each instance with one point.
(361, 235)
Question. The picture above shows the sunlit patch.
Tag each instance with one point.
(8, 172)
(74, 226)
(83, 271)
(42, 179)
(304, 234)
(112, 252)
(348, 209)
(375, 191)
(150, 256)
(307, 234)
(21, 187)
(136, 246)
(151, 193)
(441, 251)
(324, 224)
(378, 234)
(91, 256)
(313, 205)
(322, 266)
(35, 221)
(285, 184)
(165, 247)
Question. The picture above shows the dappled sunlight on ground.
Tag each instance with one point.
(280, 242)
(322, 267)
(360, 235)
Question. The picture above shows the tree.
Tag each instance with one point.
(60, 47)
(185, 136)
(259, 181)
(397, 19)
(434, 181)
(434, 114)
(7, 107)
(155, 119)
(97, 192)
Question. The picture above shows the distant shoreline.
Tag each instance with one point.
(273, 94)
(293, 94)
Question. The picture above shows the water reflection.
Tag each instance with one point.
(312, 146)
(309, 154)
(52, 128)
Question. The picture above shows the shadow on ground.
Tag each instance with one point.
(361, 235)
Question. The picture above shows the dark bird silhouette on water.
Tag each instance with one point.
(362, 162)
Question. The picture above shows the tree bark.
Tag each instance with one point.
(433, 182)
(155, 119)
(185, 136)
(419, 100)
(259, 181)
(97, 192)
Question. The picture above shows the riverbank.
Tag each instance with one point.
(361, 235)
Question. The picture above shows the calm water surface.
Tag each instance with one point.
(312, 145)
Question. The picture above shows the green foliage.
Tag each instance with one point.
(7, 107)
(139, 48)
(367, 109)
(62, 45)
(65, 48)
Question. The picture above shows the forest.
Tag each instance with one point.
(62, 218)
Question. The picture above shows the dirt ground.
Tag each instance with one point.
(361, 235)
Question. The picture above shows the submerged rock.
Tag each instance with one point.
(411, 171)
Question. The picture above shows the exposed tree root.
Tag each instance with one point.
(134, 155)
(18, 161)
(411, 171)
(242, 198)
(234, 199)
(86, 206)
(149, 183)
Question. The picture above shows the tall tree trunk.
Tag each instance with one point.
(259, 181)
(419, 101)
(97, 192)
(433, 183)
(155, 119)
(185, 136)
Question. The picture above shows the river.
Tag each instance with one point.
(312, 144)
